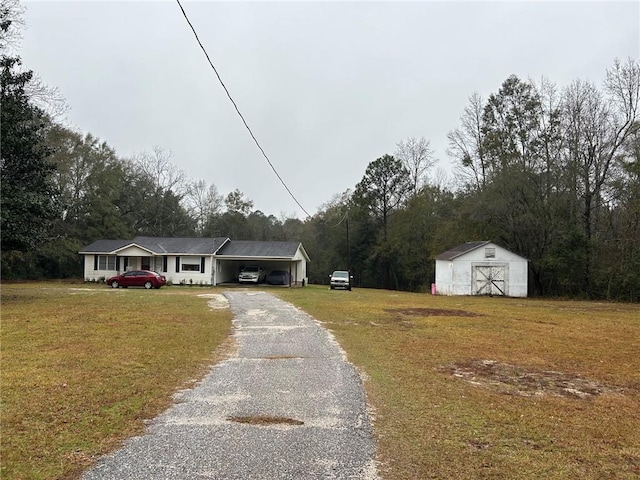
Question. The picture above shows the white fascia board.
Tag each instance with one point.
(115, 252)
(304, 252)
(222, 245)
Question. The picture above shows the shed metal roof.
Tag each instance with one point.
(461, 250)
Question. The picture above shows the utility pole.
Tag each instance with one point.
(348, 250)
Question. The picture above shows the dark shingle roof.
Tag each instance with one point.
(242, 248)
(461, 250)
(160, 245)
(171, 245)
(105, 246)
(201, 246)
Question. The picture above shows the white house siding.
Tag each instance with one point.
(134, 263)
(92, 275)
(189, 277)
(149, 254)
(456, 276)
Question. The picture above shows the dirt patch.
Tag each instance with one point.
(433, 312)
(524, 381)
(265, 420)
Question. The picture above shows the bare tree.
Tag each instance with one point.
(596, 128)
(156, 166)
(161, 188)
(11, 21)
(204, 202)
(417, 157)
(466, 144)
(48, 99)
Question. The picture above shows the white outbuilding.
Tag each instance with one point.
(481, 268)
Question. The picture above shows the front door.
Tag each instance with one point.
(145, 263)
(490, 279)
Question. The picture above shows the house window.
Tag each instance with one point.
(190, 267)
(490, 252)
(106, 262)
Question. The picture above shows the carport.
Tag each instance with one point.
(288, 256)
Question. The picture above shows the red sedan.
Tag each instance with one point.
(137, 278)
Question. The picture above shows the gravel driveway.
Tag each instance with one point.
(286, 405)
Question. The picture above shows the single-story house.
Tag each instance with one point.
(200, 261)
(481, 268)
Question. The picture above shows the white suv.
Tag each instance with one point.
(340, 279)
(252, 274)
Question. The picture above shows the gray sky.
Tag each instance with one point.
(327, 87)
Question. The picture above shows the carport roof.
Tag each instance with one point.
(257, 249)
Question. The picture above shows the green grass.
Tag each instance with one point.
(83, 367)
(432, 424)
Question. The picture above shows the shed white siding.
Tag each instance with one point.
(486, 270)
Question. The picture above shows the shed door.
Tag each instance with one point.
(490, 279)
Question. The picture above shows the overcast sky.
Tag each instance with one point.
(327, 87)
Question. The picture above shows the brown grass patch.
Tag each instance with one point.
(525, 381)
(263, 420)
(83, 368)
(432, 425)
(433, 312)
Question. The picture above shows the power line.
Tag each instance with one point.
(238, 111)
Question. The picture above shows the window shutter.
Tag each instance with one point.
(117, 264)
(201, 264)
(164, 263)
(95, 262)
(177, 264)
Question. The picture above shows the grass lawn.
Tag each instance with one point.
(84, 366)
(462, 387)
(476, 387)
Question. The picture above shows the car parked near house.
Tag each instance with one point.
(279, 277)
(340, 279)
(252, 274)
(137, 278)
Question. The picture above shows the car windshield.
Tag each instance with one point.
(250, 269)
(341, 274)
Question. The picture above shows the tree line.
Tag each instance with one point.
(550, 173)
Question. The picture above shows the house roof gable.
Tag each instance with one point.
(183, 246)
(159, 245)
(105, 246)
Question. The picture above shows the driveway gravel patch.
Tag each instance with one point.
(285, 405)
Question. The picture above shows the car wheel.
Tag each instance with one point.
(331, 287)
(114, 284)
(349, 288)
(148, 285)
